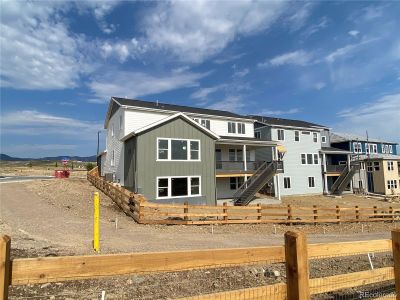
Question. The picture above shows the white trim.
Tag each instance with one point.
(315, 134)
(313, 156)
(170, 149)
(323, 139)
(169, 186)
(167, 119)
(277, 134)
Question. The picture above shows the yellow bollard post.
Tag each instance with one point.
(96, 219)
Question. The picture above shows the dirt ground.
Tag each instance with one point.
(54, 217)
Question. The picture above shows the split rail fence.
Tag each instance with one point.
(296, 254)
(146, 212)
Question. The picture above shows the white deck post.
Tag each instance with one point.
(245, 162)
(348, 166)
(324, 174)
(277, 188)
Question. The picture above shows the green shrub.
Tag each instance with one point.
(89, 166)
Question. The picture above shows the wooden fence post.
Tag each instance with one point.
(297, 273)
(5, 264)
(338, 213)
(225, 211)
(357, 214)
(396, 259)
(375, 211)
(259, 210)
(186, 210)
(315, 213)
(289, 211)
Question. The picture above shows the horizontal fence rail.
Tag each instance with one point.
(294, 254)
(146, 212)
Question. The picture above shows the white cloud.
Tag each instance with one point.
(227, 58)
(37, 51)
(299, 18)
(323, 23)
(233, 103)
(348, 49)
(354, 33)
(194, 30)
(136, 84)
(267, 112)
(241, 73)
(203, 93)
(299, 58)
(379, 117)
(32, 122)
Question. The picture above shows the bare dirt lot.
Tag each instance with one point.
(54, 217)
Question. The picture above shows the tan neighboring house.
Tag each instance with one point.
(379, 173)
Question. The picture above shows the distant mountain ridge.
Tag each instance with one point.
(50, 158)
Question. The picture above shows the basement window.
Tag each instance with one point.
(176, 187)
(286, 183)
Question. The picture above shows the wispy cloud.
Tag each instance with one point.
(298, 19)
(354, 33)
(136, 84)
(379, 117)
(299, 58)
(323, 23)
(266, 112)
(240, 73)
(228, 58)
(234, 103)
(203, 93)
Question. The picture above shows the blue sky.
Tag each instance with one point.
(333, 63)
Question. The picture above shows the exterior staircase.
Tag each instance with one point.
(344, 179)
(256, 182)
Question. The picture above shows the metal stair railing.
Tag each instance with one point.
(344, 178)
(251, 179)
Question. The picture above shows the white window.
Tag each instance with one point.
(179, 186)
(305, 132)
(390, 165)
(376, 166)
(112, 158)
(392, 184)
(323, 139)
(315, 137)
(121, 124)
(371, 148)
(286, 183)
(311, 182)
(257, 135)
(309, 159)
(357, 147)
(231, 127)
(370, 167)
(178, 149)
(390, 149)
(112, 129)
(235, 182)
(281, 135)
(297, 136)
(203, 122)
(241, 128)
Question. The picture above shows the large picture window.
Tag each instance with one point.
(179, 186)
(309, 159)
(178, 149)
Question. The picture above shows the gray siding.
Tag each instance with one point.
(148, 169)
(264, 154)
(130, 163)
(325, 133)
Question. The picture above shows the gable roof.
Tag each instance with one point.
(336, 137)
(167, 120)
(176, 108)
(286, 122)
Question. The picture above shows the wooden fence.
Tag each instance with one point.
(296, 254)
(146, 212)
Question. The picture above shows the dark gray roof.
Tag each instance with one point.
(333, 149)
(177, 108)
(285, 122)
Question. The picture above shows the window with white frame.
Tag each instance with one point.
(204, 122)
(371, 148)
(286, 183)
(323, 139)
(376, 166)
(311, 182)
(179, 186)
(241, 128)
(231, 127)
(235, 182)
(392, 184)
(357, 147)
(309, 159)
(281, 135)
(257, 135)
(390, 149)
(297, 136)
(385, 148)
(178, 149)
(315, 137)
(390, 165)
(370, 167)
(305, 132)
